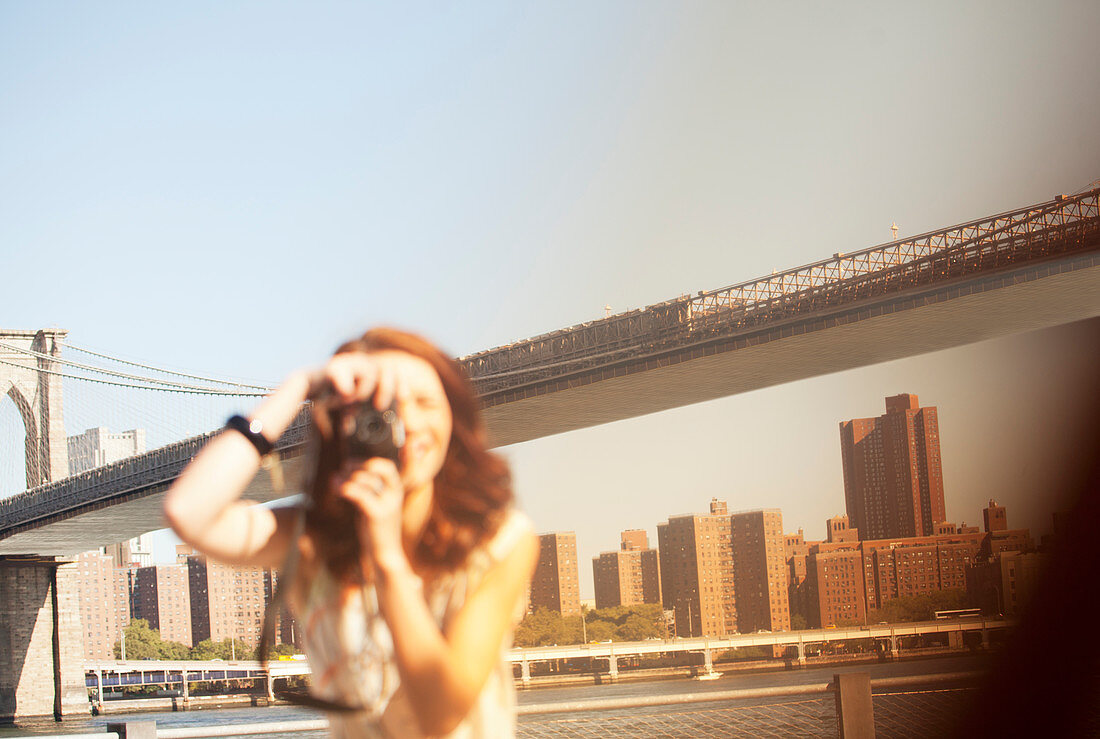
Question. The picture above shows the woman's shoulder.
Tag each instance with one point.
(514, 526)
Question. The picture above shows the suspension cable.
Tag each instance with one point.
(165, 371)
(99, 370)
(190, 390)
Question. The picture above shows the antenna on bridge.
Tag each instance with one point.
(607, 310)
(894, 228)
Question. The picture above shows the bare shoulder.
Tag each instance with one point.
(512, 532)
(513, 549)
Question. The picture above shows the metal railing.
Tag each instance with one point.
(1063, 226)
(803, 710)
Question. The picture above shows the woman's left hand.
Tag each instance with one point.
(376, 489)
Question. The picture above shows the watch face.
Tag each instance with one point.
(256, 426)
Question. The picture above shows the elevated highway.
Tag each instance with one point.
(118, 673)
(1020, 270)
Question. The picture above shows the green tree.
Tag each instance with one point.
(204, 650)
(798, 622)
(571, 632)
(142, 642)
(225, 649)
(637, 627)
(173, 650)
(601, 631)
(283, 650)
(540, 628)
(920, 607)
(625, 623)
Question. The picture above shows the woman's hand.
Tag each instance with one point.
(376, 490)
(356, 376)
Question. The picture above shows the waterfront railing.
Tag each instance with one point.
(842, 707)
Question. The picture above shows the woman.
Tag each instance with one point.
(410, 575)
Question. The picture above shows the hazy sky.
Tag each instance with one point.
(235, 188)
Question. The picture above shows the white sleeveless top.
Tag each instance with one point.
(350, 650)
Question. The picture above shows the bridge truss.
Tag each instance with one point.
(1062, 227)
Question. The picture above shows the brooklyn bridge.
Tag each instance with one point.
(1024, 269)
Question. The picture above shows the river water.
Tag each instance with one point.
(580, 693)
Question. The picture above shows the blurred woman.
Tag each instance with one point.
(411, 571)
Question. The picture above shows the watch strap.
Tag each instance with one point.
(253, 431)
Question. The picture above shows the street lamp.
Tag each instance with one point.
(123, 632)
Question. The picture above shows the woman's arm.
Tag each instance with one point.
(442, 672)
(203, 506)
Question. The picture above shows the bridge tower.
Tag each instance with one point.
(26, 380)
(40, 666)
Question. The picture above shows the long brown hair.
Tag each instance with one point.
(472, 489)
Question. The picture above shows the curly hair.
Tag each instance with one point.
(471, 491)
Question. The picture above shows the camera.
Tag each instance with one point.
(366, 432)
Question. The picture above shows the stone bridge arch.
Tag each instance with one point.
(37, 395)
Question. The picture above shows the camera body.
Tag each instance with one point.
(366, 432)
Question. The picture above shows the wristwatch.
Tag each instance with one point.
(253, 431)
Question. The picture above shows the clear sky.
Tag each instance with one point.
(234, 188)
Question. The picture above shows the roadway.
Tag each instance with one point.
(149, 672)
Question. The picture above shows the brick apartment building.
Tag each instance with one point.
(287, 630)
(758, 549)
(797, 550)
(893, 480)
(846, 578)
(834, 591)
(556, 582)
(161, 596)
(95, 586)
(630, 576)
(995, 517)
(696, 556)
(227, 602)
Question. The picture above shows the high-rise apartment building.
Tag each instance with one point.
(893, 481)
(838, 530)
(630, 576)
(123, 579)
(556, 582)
(797, 551)
(834, 593)
(696, 556)
(97, 447)
(995, 517)
(162, 597)
(633, 540)
(758, 549)
(227, 602)
(287, 630)
(95, 586)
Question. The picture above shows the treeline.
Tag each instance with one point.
(921, 607)
(543, 627)
(144, 642)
